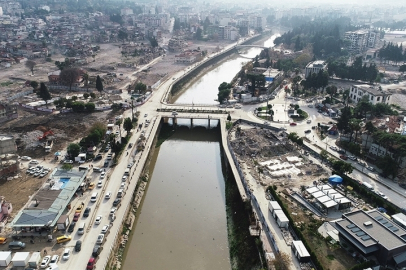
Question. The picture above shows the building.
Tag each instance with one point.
(374, 236)
(49, 203)
(375, 95)
(326, 198)
(7, 112)
(271, 74)
(187, 57)
(400, 219)
(8, 157)
(300, 251)
(315, 67)
(360, 40)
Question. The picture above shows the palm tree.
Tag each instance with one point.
(369, 127)
(85, 77)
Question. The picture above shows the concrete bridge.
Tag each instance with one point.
(250, 46)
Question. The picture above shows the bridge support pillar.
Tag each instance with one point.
(208, 120)
(175, 122)
(191, 122)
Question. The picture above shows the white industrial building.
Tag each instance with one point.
(327, 198)
(300, 251)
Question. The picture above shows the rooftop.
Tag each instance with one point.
(48, 204)
(371, 89)
(370, 228)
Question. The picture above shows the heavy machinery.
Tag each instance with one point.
(46, 132)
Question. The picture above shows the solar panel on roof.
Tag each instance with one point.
(384, 221)
(394, 229)
(366, 237)
(350, 226)
(378, 218)
(355, 230)
(360, 234)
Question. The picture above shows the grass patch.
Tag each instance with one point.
(5, 84)
(330, 257)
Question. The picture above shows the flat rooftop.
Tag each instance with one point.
(370, 228)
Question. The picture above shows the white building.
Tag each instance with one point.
(360, 40)
(1, 11)
(126, 11)
(315, 67)
(375, 95)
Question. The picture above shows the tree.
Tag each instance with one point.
(323, 154)
(342, 167)
(86, 80)
(154, 42)
(281, 261)
(228, 117)
(331, 90)
(73, 150)
(90, 107)
(122, 35)
(44, 94)
(99, 84)
(224, 92)
(69, 76)
(67, 167)
(34, 84)
(92, 95)
(198, 33)
(30, 65)
(140, 87)
(86, 95)
(128, 124)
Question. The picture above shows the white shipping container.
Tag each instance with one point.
(5, 258)
(35, 260)
(21, 259)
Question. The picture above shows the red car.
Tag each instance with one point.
(91, 264)
(76, 217)
(343, 157)
(293, 124)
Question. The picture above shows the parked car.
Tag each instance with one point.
(113, 211)
(341, 151)
(98, 157)
(16, 245)
(308, 131)
(344, 157)
(76, 216)
(108, 195)
(3, 240)
(66, 254)
(33, 162)
(352, 158)
(78, 246)
(130, 165)
(130, 145)
(333, 148)
(54, 260)
(45, 261)
(91, 264)
(102, 175)
(63, 239)
(100, 184)
(87, 212)
(293, 124)
(79, 208)
(71, 227)
(100, 239)
(68, 161)
(116, 202)
(371, 168)
(25, 158)
(105, 229)
(309, 121)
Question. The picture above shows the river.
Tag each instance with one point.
(182, 222)
(204, 90)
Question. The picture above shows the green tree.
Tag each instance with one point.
(67, 167)
(30, 65)
(69, 76)
(128, 124)
(154, 42)
(122, 35)
(342, 167)
(228, 117)
(44, 94)
(331, 90)
(86, 95)
(99, 84)
(224, 92)
(34, 84)
(140, 87)
(198, 34)
(323, 154)
(90, 107)
(92, 95)
(73, 150)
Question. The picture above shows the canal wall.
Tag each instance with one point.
(243, 187)
(180, 82)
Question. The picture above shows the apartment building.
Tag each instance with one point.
(360, 40)
(374, 94)
(315, 67)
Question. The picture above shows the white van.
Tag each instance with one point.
(94, 197)
(127, 171)
(97, 169)
(81, 229)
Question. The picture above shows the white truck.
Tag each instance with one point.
(368, 185)
(48, 146)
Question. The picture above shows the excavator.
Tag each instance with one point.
(46, 132)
